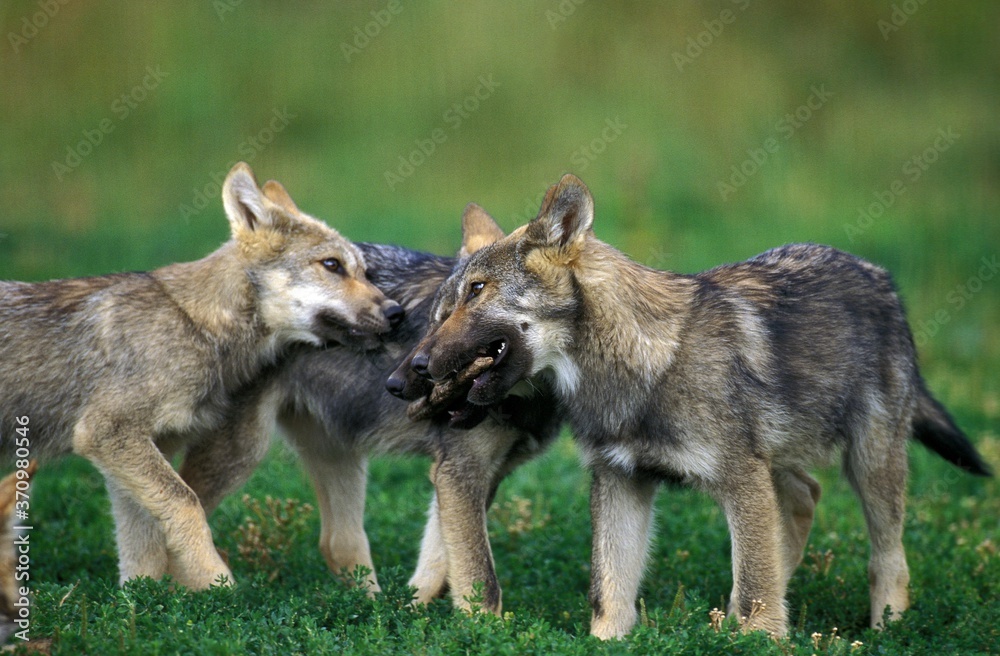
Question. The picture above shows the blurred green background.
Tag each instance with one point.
(117, 120)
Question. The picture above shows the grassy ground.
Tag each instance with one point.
(286, 602)
(841, 130)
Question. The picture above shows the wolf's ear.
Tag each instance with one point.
(277, 194)
(478, 230)
(245, 204)
(566, 216)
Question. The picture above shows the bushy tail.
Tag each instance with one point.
(934, 428)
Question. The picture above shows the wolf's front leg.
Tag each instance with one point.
(463, 490)
(621, 512)
(136, 470)
(431, 576)
(747, 496)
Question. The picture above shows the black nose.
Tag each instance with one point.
(395, 385)
(419, 364)
(394, 313)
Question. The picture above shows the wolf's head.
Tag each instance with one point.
(512, 299)
(478, 229)
(309, 280)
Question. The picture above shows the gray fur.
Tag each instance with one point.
(129, 369)
(736, 380)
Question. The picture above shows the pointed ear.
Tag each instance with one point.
(566, 215)
(277, 194)
(245, 205)
(478, 230)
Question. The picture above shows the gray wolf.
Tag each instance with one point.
(129, 369)
(735, 380)
(335, 410)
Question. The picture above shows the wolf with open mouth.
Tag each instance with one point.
(735, 380)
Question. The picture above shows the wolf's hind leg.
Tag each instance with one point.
(877, 470)
(798, 494)
(748, 498)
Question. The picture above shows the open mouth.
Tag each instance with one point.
(449, 397)
(495, 351)
(333, 331)
(461, 412)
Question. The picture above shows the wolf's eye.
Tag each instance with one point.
(333, 265)
(474, 290)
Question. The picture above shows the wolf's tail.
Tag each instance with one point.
(934, 428)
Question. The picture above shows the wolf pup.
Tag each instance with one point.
(128, 369)
(335, 411)
(734, 380)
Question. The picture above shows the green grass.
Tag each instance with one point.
(543, 566)
(657, 198)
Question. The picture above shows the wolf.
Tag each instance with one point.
(336, 408)
(129, 369)
(735, 380)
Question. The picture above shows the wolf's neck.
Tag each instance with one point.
(216, 296)
(632, 316)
